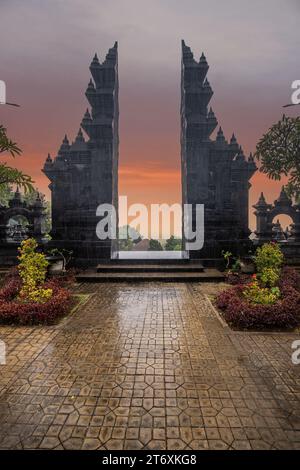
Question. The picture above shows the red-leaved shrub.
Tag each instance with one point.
(10, 289)
(14, 312)
(13, 272)
(238, 278)
(284, 314)
(289, 277)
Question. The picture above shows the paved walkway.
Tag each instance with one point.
(148, 366)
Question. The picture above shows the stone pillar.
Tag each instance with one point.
(263, 225)
(296, 231)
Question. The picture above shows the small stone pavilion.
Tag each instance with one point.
(12, 234)
(267, 226)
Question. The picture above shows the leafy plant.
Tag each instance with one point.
(126, 232)
(269, 260)
(126, 244)
(270, 277)
(284, 313)
(256, 294)
(155, 245)
(227, 257)
(13, 311)
(231, 260)
(237, 279)
(66, 255)
(268, 255)
(236, 266)
(279, 152)
(270, 300)
(173, 244)
(32, 270)
(263, 288)
(289, 277)
(11, 288)
(7, 145)
(9, 175)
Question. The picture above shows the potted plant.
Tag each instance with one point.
(227, 258)
(58, 260)
(233, 264)
(247, 264)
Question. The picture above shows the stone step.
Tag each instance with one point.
(146, 261)
(206, 262)
(208, 275)
(150, 268)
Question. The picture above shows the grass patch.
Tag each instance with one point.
(77, 301)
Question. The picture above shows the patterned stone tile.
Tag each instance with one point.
(148, 366)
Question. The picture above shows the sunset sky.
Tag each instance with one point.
(46, 48)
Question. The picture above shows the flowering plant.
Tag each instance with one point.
(264, 288)
(261, 295)
(32, 270)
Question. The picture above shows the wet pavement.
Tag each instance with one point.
(148, 366)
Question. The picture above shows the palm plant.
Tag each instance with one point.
(9, 175)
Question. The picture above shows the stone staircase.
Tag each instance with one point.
(183, 271)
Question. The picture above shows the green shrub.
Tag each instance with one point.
(32, 271)
(268, 256)
(269, 259)
(256, 294)
(269, 277)
(263, 289)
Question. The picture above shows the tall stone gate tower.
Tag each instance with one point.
(214, 172)
(85, 173)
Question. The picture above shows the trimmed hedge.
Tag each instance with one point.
(284, 314)
(14, 312)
